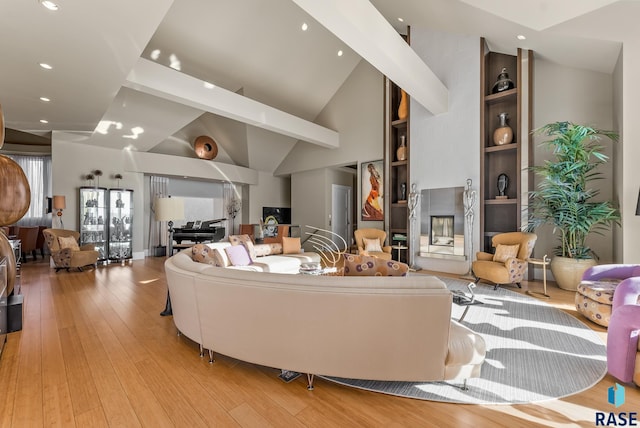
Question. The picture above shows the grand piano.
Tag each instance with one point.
(200, 231)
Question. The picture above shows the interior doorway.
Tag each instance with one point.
(341, 214)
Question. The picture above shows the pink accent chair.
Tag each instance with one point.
(623, 351)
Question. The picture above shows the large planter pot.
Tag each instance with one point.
(568, 272)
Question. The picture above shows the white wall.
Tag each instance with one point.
(269, 192)
(579, 96)
(445, 149)
(631, 150)
(71, 162)
(356, 112)
(308, 197)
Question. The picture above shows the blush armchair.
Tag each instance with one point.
(623, 349)
(65, 254)
(362, 235)
(509, 263)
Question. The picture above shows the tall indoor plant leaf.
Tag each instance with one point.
(563, 198)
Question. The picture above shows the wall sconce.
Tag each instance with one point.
(59, 203)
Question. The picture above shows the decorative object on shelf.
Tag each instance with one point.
(98, 174)
(401, 153)
(205, 147)
(503, 133)
(469, 201)
(503, 83)
(89, 177)
(169, 209)
(403, 192)
(564, 199)
(503, 183)
(325, 243)
(403, 108)
(372, 195)
(59, 203)
(118, 177)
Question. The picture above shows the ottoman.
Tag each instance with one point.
(594, 299)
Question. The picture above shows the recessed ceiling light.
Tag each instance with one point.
(155, 54)
(44, 121)
(45, 99)
(49, 4)
(45, 66)
(400, 19)
(304, 27)
(521, 37)
(340, 53)
(209, 85)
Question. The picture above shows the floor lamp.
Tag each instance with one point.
(169, 209)
(59, 203)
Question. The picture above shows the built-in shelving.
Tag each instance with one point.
(498, 214)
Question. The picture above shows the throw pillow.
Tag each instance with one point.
(290, 245)
(238, 255)
(68, 242)
(221, 261)
(250, 249)
(239, 239)
(504, 252)
(359, 265)
(201, 253)
(372, 244)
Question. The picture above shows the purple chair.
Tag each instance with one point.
(594, 296)
(624, 329)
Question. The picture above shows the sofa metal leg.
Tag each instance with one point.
(310, 381)
(495, 287)
(201, 351)
(211, 360)
(464, 385)
(519, 285)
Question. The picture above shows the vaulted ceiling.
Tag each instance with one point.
(126, 73)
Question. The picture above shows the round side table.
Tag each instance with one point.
(544, 262)
(399, 248)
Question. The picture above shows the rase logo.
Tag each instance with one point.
(620, 419)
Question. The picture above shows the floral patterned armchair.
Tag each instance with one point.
(509, 263)
(65, 251)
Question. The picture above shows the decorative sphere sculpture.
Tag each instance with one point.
(205, 147)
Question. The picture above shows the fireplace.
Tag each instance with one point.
(442, 223)
(442, 230)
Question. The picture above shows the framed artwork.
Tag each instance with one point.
(371, 181)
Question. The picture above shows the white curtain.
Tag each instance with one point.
(38, 172)
(232, 206)
(158, 230)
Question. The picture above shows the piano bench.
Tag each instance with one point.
(178, 247)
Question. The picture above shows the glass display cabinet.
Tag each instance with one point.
(93, 215)
(120, 219)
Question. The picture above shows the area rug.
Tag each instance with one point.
(535, 352)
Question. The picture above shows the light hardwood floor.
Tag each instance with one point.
(94, 351)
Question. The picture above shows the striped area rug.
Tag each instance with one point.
(535, 352)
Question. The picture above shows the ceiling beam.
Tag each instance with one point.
(164, 82)
(359, 25)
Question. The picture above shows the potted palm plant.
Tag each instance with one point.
(564, 200)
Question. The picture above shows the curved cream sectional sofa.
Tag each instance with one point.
(361, 327)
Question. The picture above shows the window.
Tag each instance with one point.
(38, 172)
